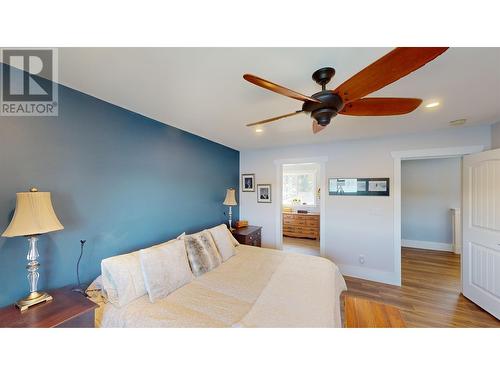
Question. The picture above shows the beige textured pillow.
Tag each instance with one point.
(165, 269)
(122, 279)
(202, 252)
(221, 236)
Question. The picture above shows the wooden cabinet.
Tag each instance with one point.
(301, 225)
(68, 309)
(250, 235)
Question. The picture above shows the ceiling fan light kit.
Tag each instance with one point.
(349, 97)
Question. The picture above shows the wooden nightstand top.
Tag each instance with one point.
(250, 235)
(245, 231)
(65, 306)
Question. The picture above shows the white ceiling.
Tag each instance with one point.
(201, 90)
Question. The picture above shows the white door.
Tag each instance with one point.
(481, 230)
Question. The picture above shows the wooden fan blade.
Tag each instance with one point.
(277, 88)
(275, 118)
(317, 127)
(388, 69)
(380, 106)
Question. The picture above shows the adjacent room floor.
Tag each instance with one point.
(430, 292)
(300, 246)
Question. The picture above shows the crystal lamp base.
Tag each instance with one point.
(35, 297)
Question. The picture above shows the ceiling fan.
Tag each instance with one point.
(349, 97)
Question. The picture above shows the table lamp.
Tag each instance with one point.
(34, 215)
(230, 201)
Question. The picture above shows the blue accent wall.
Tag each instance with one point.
(119, 180)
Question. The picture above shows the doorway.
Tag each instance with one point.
(399, 157)
(479, 242)
(431, 197)
(300, 207)
(301, 244)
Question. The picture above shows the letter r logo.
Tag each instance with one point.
(22, 75)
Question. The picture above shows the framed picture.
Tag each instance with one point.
(247, 182)
(358, 186)
(264, 193)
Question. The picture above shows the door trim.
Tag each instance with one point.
(398, 156)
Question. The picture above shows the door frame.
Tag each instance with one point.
(321, 160)
(398, 156)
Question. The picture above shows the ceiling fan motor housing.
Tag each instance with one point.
(323, 112)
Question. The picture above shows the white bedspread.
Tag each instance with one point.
(255, 288)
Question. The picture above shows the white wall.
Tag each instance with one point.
(429, 188)
(354, 225)
(495, 135)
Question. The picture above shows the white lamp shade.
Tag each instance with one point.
(34, 215)
(230, 198)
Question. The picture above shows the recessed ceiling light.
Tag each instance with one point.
(432, 105)
(259, 130)
(460, 121)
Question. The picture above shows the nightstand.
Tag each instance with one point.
(67, 310)
(250, 235)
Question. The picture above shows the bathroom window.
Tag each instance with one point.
(299, 188)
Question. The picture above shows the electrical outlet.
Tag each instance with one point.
(361, 259)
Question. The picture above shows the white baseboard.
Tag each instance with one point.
(427, 245)
(370, 274)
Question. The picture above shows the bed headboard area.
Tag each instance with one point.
(118, 179)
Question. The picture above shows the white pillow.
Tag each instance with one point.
(221, 236)
(122, 279)
(165, 269)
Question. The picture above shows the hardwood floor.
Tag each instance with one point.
(366, 313)
(430, 292)
(301, 246)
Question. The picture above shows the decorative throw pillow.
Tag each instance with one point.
(122, 279)
(202, 252)
(221, 236)
(165, 269)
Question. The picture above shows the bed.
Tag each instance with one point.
(257, 287)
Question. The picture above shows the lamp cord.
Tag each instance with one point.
(82, 243)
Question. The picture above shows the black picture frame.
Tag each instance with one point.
(245, 178)
(352, 186)
(263, 197)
